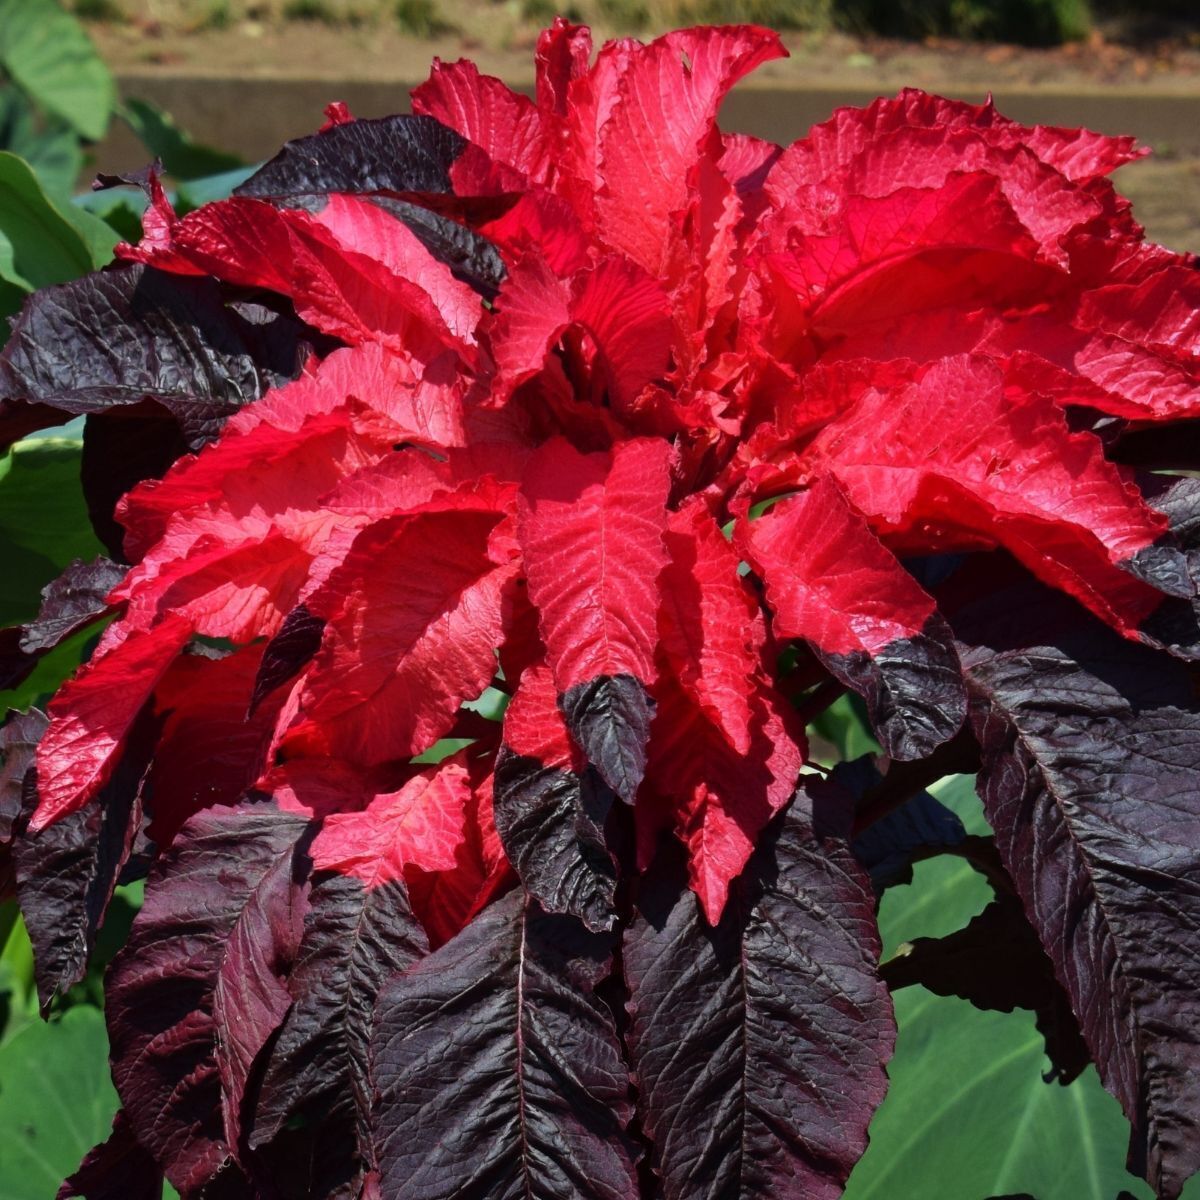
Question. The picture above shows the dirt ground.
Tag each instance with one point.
(253, 77)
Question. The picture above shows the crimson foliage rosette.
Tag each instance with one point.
(657, 439)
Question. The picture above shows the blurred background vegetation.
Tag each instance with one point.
(1028, 22)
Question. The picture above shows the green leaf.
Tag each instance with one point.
(46, 52)
(38, 244)
(43, 521)
(56, 1101)
(844, 724)
(51, 148)
(18, 992)
(968, 1113)
(181, 156)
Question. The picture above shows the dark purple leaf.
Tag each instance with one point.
(298, 639)
(311, 1126)
(551, 823)
(386, 154)
(918, 828)
(997, 962)
(497, 1069)
(470, 257)
(1091, 753)
(71, 602)
(120, 337)
(760, 1044)
(912, 688)
(67, 872)
(215, 903)
(117, 1169)
(19, 737)
(609, 717)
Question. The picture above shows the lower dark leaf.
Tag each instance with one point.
(1091, 753)
(117, 1169)
(19, 737)
(912, 688)
(67, 872)
(220, 909)
(760, 1044)
(498, 1071)
(311, 1122)
(551, 823)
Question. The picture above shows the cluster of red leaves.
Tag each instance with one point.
(910, 330)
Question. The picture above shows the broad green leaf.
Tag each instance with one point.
(46, 52)
(18, 994)
(56, 1101)
(38, 244)
(51, 148)
(98, 235)
(181, 156)
(968, 1114)
(43, 522)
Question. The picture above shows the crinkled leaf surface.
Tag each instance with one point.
(760, 1044)
(182, 1011)
(550, 808)
(591, 528)
(1090, 770)
(543, 1112)
(833, 583)
(311, 1118)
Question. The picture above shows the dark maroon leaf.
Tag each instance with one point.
(551, 823)
(121, 447)
(919, 827)
(71, 602)
(470, 257)
(120, 337)
(19, 737)
(117, 1169)
(609, 717)
(760, 1044)
(912, 688)
(311, 1122)
(498, 1071)
(1091, 753)
(15, 665)
(215, 903)
(66, 873)
(386, 154)
(997, 962)
(298, 639)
